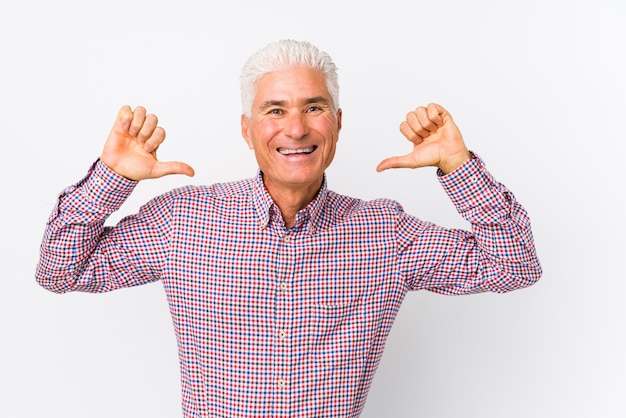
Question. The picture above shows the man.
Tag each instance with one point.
(282, 292)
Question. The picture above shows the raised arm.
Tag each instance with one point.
(498, 255)
(78, 253)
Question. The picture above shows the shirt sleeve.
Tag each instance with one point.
(79, 253)
(497, 255)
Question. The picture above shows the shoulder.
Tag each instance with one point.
(214, 191)
(205, 194)
(344, 207)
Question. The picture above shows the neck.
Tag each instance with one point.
(291, 200)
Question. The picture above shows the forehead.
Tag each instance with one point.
(294, 83)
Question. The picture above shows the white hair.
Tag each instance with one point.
(279, 56)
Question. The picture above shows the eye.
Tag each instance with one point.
(275, 111)
(314, 109)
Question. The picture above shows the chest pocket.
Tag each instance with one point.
(342, 334)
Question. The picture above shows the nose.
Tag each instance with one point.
(296, 126)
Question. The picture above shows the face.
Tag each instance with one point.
(293, 130)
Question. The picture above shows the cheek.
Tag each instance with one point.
(329, 125)
(265, 131)
(331, 153)
(331, 133)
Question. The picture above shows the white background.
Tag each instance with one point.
(537, 87)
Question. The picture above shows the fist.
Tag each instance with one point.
(130, 149)
(436, 141)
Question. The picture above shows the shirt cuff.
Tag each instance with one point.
(470, 185)
(106, 189)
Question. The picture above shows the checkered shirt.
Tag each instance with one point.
(276, 322)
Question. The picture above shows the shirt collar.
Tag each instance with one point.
(264, 205)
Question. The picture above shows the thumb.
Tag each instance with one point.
(172, 167)
(404, 161)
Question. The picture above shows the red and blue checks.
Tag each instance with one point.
(275, 322)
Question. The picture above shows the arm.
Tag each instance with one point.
(499, 254)
(77, 251)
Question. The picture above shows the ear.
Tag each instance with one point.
(245, 130)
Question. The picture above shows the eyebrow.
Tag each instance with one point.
(317, 99)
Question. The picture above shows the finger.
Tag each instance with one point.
(172, 167)
(403, 161)
(409, 133)
(124, 116)
(148, 128)
(424, 116)
(413, 120)
(435, 114)
(139, 115)
(152, 143)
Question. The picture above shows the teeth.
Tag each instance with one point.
(295, 151)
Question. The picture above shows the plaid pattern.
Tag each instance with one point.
(273, 322)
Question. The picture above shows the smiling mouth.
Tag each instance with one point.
(288, 151)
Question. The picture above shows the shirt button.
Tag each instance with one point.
(282, 335)
(474, 179)
(281, 383)
(97, 180)
(286, 238)
(283, 286)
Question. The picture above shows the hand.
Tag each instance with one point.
(130, 149)
(436, 140)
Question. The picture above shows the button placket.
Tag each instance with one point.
(283, 319)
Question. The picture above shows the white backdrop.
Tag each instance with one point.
(537, 87)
